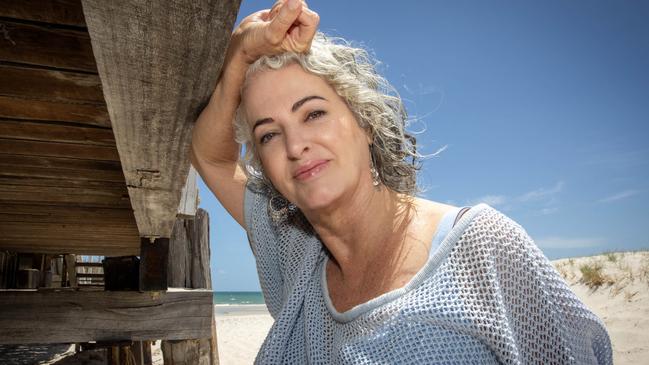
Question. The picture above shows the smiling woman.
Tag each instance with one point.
(354, 267)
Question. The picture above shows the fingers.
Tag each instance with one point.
(287, 15)
(309, 21)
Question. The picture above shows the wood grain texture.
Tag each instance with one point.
(50, 85)
(59, 168)
(158, 62)
(189, 266)
(63, 12)
(28, 317)
(39, 213)
(56, 149)
(45, 46)
(189, 196)
(52, 132)
(16, 107)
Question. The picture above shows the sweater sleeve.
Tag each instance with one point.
(548, 322)
(261, 235)
(286, 252)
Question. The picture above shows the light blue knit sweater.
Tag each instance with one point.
(486, 295)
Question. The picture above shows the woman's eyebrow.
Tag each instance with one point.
(299, 103)
(294, 108)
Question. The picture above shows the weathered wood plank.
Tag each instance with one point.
(158, 62)
(20, 108)
(50, 85)
(189, 196)
(189, 266)
(81, 184)
(54, 132)
(55, 149)
(61, 214)
(79, 231)
(65, 169)
(116, 198)
(65, 12)
(103, 246)
(81, 316)
(44, 46)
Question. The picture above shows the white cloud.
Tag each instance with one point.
(619, 196)
(542, 200)
(546, 211)
(541, 193)
(493, 200)
(565, 242)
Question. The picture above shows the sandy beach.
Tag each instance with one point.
(615, 286)
(240, 331)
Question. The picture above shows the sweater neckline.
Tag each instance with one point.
(430, 266)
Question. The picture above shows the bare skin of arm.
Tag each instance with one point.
(289, 26)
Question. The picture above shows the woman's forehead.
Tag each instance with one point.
(270, 89)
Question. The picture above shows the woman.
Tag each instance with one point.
(354, 268)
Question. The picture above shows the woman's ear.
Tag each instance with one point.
(369, 137)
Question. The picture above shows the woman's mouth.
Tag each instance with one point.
(310, 169)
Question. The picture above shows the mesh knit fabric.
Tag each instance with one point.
(487, 295)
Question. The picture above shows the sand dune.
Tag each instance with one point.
(615, 286)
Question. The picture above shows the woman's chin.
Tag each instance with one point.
(318, 201)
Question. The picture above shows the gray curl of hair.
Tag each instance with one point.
(373, 101)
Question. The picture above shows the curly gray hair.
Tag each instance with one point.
(373, 101)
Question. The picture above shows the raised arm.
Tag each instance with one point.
(288, 26)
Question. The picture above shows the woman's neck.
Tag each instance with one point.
(367, 228)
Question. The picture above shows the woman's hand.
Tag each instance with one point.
(288, 26)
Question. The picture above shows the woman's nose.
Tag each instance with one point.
(297, 142)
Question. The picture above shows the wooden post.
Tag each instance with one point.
(153, 264)
(189, 264)
(70, 264)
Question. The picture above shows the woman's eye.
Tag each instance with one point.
(266, 138)
(315, 114)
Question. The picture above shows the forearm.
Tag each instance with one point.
(213, 135)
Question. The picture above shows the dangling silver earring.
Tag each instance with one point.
(376, 179)
(279, 208)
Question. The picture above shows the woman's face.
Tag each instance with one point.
(308, 140)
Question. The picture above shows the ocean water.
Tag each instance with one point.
(238, 297)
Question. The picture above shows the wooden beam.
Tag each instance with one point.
(65, 12)
(158, 62)
(45, 46)
(39, 213)
(79, 184)
(60, 168)
(17, 107)
(106, 246)
(41, 84)
(56, 149)
(30, 317)
(56, 132)
(75, 196)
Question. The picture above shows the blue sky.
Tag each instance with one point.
(539, 109)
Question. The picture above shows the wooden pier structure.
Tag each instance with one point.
(97, 104)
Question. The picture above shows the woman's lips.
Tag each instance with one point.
(310, 169)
